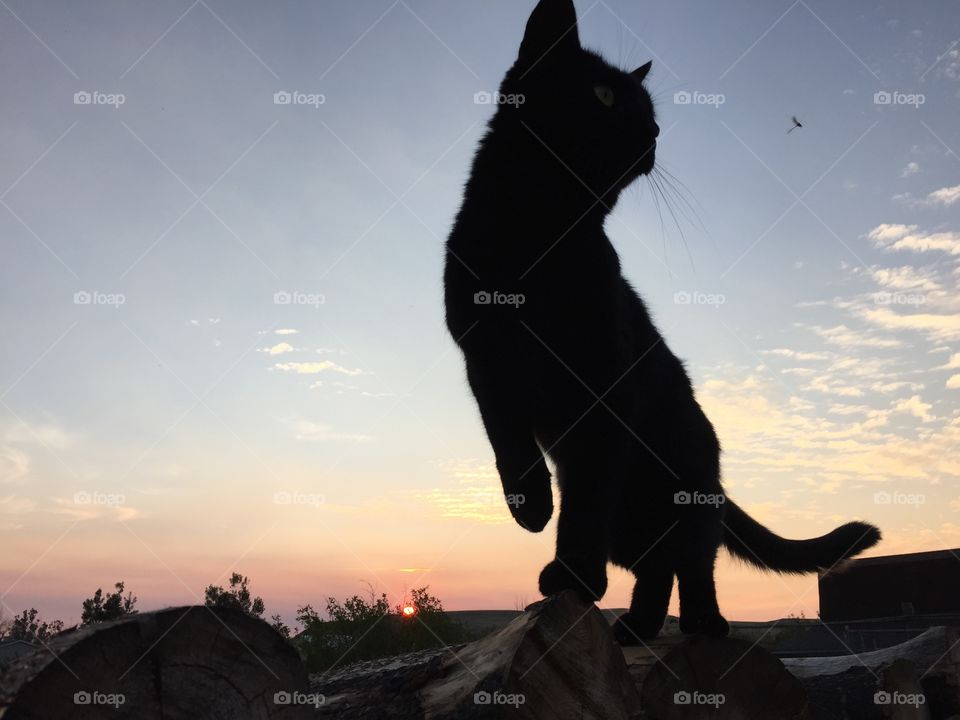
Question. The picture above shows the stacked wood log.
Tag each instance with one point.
(556, 661)
(918, 679)
(189, 662)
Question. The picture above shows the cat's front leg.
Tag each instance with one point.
(582, 541)
(520, 463)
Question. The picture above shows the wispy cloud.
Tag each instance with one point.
(944, 197)
(846, 337)
(911, 168)
(796, 354)
(313, 368)
(475, 493)
(892, 238)
(916, 407)
(279, 349)
(906, 277)
(936, 326)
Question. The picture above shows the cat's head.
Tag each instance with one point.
(595, 118)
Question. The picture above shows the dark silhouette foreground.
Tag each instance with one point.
(564, 360)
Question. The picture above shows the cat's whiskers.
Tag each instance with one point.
(679, 191)
(655, 178)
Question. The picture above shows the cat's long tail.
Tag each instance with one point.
(750, 541)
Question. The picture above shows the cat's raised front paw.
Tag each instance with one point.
(532, 511)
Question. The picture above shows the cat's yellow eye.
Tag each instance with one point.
(604, 95)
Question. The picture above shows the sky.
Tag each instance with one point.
(222, 231)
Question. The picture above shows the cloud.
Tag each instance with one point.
(834, 387)
(800, 371)
(476, 495)
(765, 442)
(46, 435)
(316, 432)
(952, 364)
(279, 349)
(286, 331)
(796, 355)
(890, 387)
(15, 461)
(911, 168)
(14, 464)
(946, 196)
(906, 277)
(886, 232)
(951, 68)
(893, 238)
(70, 507)
(954, 382)
(312, 368)
(847, 337)
(916, 407)
(938, 327)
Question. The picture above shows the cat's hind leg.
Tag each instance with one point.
(700, 529)
(648, 606)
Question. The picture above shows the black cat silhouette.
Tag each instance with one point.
(563, 358)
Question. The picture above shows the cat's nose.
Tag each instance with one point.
(655, 130)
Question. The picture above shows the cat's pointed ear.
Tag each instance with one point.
(641, 72)
(552, 28)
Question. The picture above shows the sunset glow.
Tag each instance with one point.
(225, 346)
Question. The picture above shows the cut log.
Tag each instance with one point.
(719, 678)
(558, 660)
(848, 686)
(188, 662)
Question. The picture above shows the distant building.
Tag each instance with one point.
(915, 584)
(12, 649)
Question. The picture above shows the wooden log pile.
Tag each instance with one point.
(556, 661)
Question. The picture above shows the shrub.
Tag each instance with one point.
(365, 629)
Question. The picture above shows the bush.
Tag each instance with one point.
(360, 629)
(112, 606)
(28, 626)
